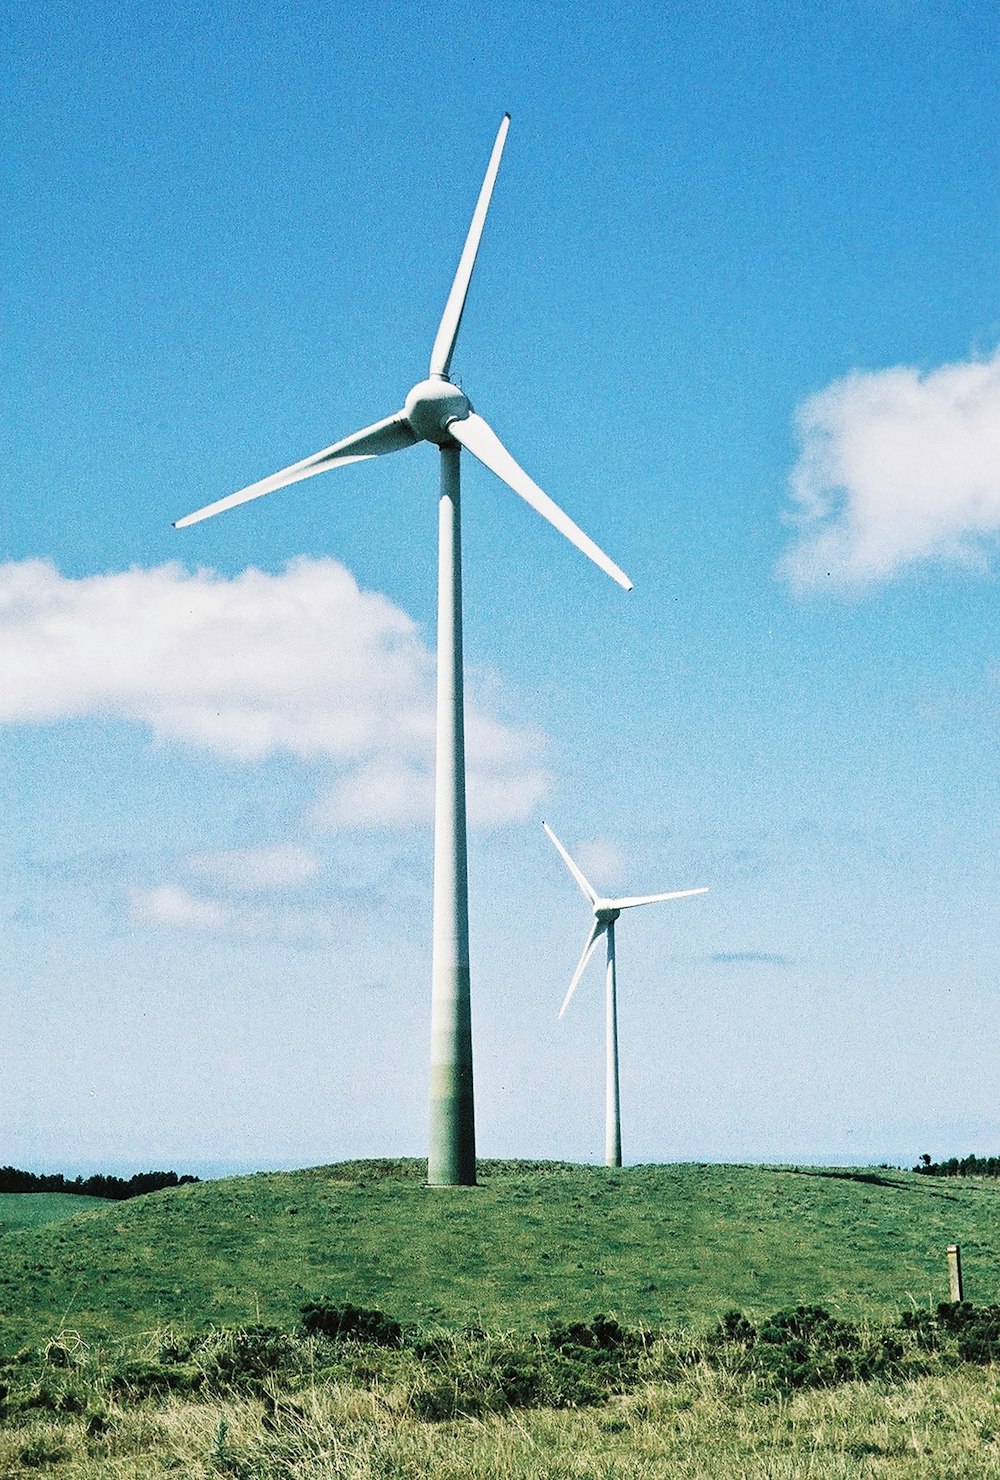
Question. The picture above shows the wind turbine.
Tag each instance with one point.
(606, 912)
(437, 411)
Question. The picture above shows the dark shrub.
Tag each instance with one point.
(804, 1323)
(734, 1327)
(53, 1399)
(141, 1379)
(804, 1347)
(922, 1328)
(595, 1360)
(240, 1358)
(41, 1456)
(439, 1402)
(977, 1328)
(603, 1334)
(504, 1373)
(351, 1323)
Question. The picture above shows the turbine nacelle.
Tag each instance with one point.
(606, 911)
(432, 406)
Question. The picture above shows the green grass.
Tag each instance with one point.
(29, 1209)
(356, 1421)
(658, 1246)
(88, 1290)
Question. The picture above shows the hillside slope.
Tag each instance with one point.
(658, 1244)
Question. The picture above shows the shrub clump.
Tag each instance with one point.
(239, 1360)
(804, 1347)
(141, 1378)
(500, 1374)
(474, 1373)
(975, 1329)
(573, 1366)
(350, 1323)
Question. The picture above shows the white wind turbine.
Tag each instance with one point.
(606, 912)
(437, 411)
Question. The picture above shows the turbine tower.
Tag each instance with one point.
(606, 912)
(437, 411)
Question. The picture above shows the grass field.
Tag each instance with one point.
(658, 1245)
(114, 1344)
(29, 1209)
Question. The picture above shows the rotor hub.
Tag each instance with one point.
(432, 406)
(606, 912)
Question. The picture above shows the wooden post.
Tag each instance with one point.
(955, 1271)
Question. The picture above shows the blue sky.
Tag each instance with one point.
(736, 311)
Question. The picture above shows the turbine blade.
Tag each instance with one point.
(575, 870)
(628, 904)
(390, 435)
(482, 441)
(599, 928)
(444, 343)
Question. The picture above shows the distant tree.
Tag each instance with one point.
(959, 1166)
(115, 1188)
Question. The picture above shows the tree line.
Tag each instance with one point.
(99, 1185)
(959, 1166)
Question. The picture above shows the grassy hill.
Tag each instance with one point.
(535, 1244)
(670, 1245)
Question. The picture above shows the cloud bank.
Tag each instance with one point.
(302, 663)
(175, 907)
(256, 870)
(242, 893)
(896, 467)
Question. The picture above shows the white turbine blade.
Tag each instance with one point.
(599, 929)
(482, 441)
(575, 870)
(390, 435)
(628, 904)
(444, 343)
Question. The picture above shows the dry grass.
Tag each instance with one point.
(708, 1426)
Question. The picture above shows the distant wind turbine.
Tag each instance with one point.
(437, 411)
(606, 912)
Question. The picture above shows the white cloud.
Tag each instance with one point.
(387, 793)
(170, 904)
(173, 907)
(302, 663)
(504, 794)
(255, 870)
(603, 862)
(896, 467)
